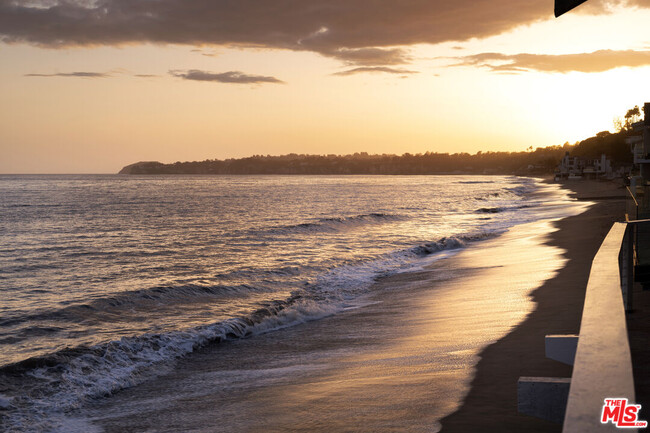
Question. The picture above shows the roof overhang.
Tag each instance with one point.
(562, 6)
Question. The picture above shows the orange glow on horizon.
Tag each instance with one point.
(53, 122)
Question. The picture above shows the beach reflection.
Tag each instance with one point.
(402, 362)
(423, 367)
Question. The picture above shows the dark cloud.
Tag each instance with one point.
(73, 74)
(598, 61)
(363, 32)
(382, 69)
(224, 77)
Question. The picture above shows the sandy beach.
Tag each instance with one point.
(373, 319)
(404, 359)
(491, 404)
(442, 347)
(435, 345)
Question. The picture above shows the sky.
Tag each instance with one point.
(89, 86)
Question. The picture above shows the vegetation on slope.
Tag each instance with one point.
(539, 161)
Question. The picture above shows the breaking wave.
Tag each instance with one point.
(337, 223)
(489, 210)
(64, 380)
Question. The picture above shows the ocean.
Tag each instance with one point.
(109, 282)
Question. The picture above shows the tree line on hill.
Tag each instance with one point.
(539, 161)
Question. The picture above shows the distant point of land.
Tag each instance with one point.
(540, 161)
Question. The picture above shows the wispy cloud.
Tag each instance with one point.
(112, 73)
(359, 32)
(597, 61)
(375, 69)
(205, 53)
(234, 77)
(73, 74)
(370, 56)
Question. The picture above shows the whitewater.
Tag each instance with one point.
(109, 280)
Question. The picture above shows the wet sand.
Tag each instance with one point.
(491, 404)
(401, 362)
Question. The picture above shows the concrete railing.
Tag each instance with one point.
(600, 354)
(603, 364)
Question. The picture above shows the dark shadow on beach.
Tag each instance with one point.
(491, 404)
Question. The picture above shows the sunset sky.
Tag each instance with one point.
(88, 86)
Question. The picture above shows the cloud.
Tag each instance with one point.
(112, 73)
(203, 53)
(383, 69)
(598, 61)
(362, 32)
(73, 74)
(370, 56)
(224, 77)
(193, 74)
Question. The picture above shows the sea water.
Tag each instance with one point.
(106, 281)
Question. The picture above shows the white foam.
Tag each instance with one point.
(109, 367)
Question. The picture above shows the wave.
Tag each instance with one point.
(144, 298)
(66, 379)
(489, 210)
(503, 209)
(450, 243)
(336, 223)
(248, 273)
(522, 190)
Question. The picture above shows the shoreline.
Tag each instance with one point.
(405, 359)
(491, 404)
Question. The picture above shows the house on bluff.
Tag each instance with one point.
(577, 167)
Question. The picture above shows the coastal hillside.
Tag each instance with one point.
(538, 161)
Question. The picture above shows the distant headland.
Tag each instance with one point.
(538, 161)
